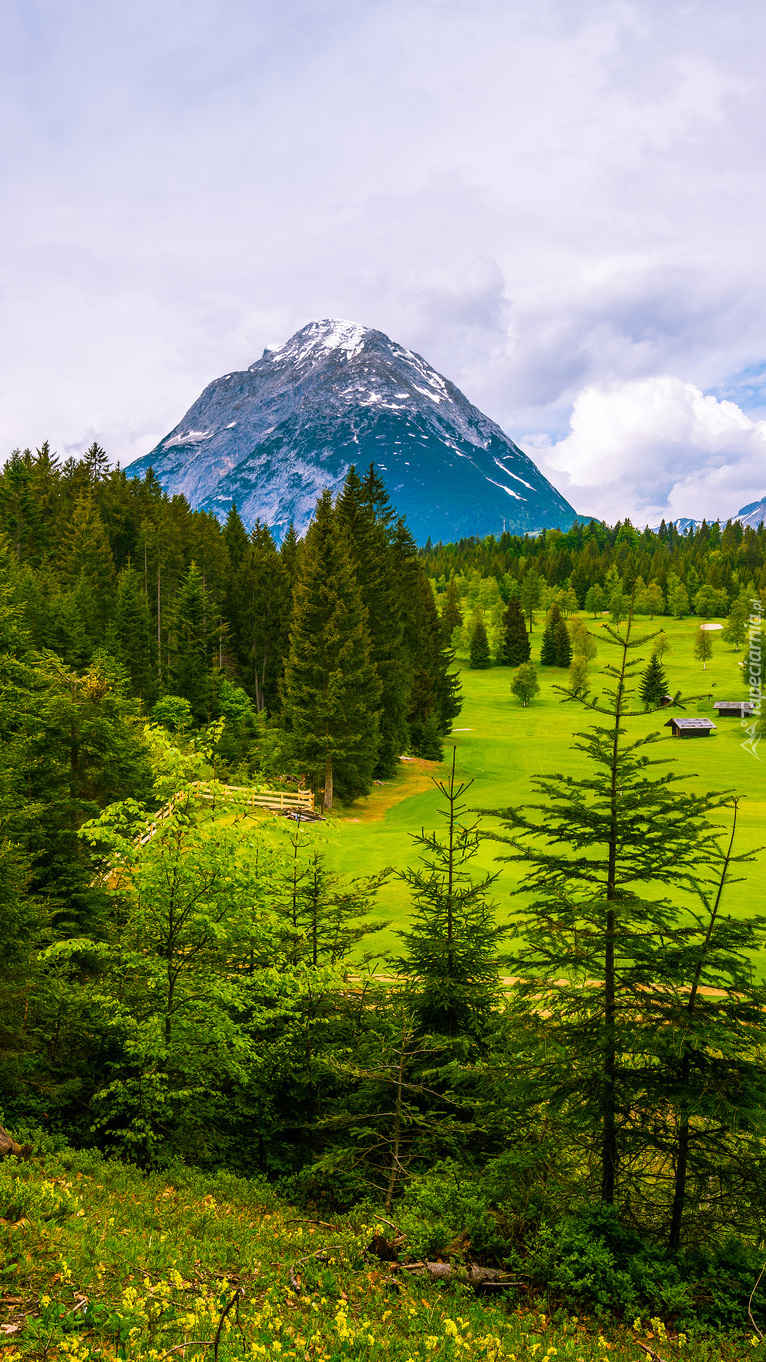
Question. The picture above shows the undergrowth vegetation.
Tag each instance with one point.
(102, 1261)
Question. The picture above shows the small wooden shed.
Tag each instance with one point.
(690, 728)
(665, 700)
(734, 709)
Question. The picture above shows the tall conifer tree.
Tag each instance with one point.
(133, 634)
(479, 655)
(365, 515)
(86, 554)
(331, 691)
(261, 598)
(562, 644)
(596, 954)
(435, 687)
(235, 537)
(193, 645)
(514, 647)
(654, 682)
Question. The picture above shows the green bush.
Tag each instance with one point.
(584, 1262)
(21, 1198)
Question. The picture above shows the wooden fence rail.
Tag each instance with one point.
(242, 795)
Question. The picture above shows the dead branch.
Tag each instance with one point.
(750, 1302)
(390, 1224)
(234, 1301)
(193, 1343)
(649, 1351)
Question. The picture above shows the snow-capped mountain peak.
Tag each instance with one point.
(315, 341)
(271, 437)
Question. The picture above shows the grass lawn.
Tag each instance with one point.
(500, 745)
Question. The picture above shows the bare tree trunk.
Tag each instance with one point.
(327, 799)
(159, 617)
(397, 1130)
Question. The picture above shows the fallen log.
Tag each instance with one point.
(480, 1278)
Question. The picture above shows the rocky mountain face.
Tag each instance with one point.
(753, 513)
(273, 436)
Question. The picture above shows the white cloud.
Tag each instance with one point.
(543, 199)
(656, 447)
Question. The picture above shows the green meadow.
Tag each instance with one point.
(501, 746)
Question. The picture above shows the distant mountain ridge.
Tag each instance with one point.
(751, 515)
(273, 436)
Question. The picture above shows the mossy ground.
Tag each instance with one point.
(155, 1266)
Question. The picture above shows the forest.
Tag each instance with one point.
(571, 1095)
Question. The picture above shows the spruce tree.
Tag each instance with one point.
(430, 745)
(711, 1063)
(592, 945)
(479, 655)
(550, 646)
(17, 503)
(86, 556)
(160, 559)
(133, 634)
(193, 645)
(562, 645)
(44, 486)
(67, 631)
(261, 610)
(235, 538)
(434, 687)
(654, 683)
(366, 517)
(96, 463)
(451, 945)
(321, 916)
(515, 647)
(290, 555)
(331, 692)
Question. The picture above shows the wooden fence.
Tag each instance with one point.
(243, 796)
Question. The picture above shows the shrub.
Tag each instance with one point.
(21, 1198)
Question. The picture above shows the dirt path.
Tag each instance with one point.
(413, 778)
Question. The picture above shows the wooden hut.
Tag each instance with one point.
(734, 709)
(691, 728)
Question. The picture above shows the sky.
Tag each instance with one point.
(560, 204)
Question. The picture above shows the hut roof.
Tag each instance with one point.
(746, 706)
(690, 723)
